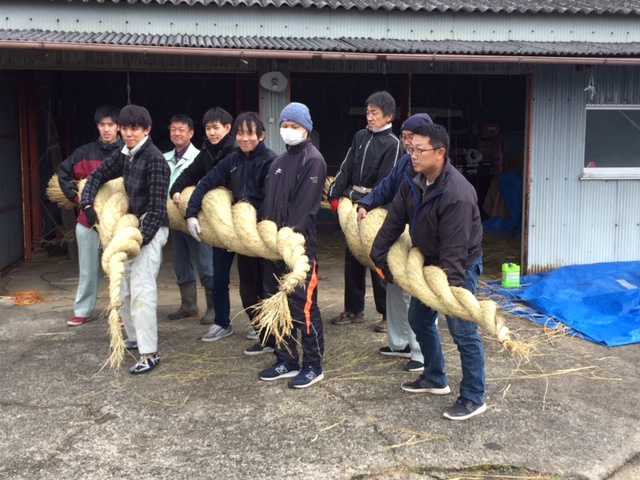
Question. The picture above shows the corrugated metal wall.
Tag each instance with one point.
(573, 221)
(11, 212)
(168, 19)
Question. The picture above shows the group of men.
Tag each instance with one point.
(420, 188)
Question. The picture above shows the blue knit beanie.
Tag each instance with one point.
(299, 113)
(414, 121)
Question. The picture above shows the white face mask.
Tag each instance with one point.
(292, 137)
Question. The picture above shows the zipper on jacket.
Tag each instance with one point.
(364, 155)
(419, 203)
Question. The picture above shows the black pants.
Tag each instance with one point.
(305, 313)
(251, 272)
(355, 284)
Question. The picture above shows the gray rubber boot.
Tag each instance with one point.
(189, 307)
(209, 316)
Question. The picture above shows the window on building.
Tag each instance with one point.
(612, 142)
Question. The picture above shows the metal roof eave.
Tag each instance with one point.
(318, 55)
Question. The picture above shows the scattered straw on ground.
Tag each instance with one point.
(26, 298)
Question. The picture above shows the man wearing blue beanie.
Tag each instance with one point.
(402, 339)
(293, 191)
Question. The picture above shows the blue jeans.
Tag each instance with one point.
(190, 255)
(222, 260)
(423, 321)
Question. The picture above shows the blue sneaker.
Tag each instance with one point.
(307, 377)
(279, 370)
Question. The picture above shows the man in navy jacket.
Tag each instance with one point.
(441, 208)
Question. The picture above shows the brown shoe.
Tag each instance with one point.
(348, 317)
(382, 326)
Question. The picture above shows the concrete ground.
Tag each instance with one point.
(569, 413)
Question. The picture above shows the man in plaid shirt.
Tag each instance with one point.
(146, 181)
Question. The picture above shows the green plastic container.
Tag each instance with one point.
(510, 275)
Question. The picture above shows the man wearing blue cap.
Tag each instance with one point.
(402, 339)
(294, 187)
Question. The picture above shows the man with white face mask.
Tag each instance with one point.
(293, 193)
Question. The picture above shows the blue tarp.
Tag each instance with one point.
(600, 301)
(510, 184)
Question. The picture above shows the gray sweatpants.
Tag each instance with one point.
(89, 275)
(399, 333)
(139, 294)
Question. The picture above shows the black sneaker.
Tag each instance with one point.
(145, 364)
(463, 409)
(279, 370)
(130, 344)
(258, 349)
(414, 366)
(390, 352)
(423, 385)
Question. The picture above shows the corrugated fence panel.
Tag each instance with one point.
(573, 221)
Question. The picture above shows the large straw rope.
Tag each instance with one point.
(224, 225)
(121, 240)
(235, 227)
(427, 284)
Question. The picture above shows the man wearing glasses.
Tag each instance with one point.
(441, 208)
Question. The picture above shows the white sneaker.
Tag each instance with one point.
(252, 335)
(216, 332)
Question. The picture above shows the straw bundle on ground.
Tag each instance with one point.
(428, 284)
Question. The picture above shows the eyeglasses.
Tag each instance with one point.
(420, 151)
(406, 138)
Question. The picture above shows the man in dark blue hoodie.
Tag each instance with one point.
(402, 339)
(243, 172)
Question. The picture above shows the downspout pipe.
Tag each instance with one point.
(315, 55)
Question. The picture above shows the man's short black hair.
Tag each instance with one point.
(217, 114)
(438, 136)
(135, 116)
(384, 101)
(252, 121)
(182, 118)
(106, 111)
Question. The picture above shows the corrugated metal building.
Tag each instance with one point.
(548, 90)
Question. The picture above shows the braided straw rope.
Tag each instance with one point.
(235, 227)
(121, 240)
(428, 284)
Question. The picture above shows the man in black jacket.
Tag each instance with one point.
(293, 193)
(243, 172)
(77, 166)
(373, 153)
(146, 181)
(441, 208)
(218, 144)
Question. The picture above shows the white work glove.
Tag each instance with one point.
(194, 227)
